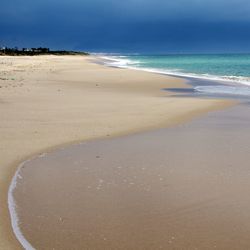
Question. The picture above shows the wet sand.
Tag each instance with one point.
(50, 101)
(185, 187)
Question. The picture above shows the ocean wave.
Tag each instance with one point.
(125, 62)
(119, 61)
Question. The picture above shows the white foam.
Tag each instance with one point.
(119, 61)
(13, 214)
(230, 90)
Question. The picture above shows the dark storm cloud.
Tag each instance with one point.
(131, 25)
(134, 9)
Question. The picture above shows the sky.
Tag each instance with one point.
(128, 26)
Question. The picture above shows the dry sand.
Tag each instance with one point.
(48, 101)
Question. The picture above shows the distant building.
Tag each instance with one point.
(26, 49)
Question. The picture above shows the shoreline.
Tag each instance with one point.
(221, 79)
(137, 128)
(11, 202)
(197, 86)
(213, 191)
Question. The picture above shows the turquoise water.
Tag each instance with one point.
(231, 69)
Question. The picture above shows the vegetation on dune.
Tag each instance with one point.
(5, 51)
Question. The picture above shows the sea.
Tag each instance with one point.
(224, 73)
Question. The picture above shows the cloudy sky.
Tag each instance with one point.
(153, 26)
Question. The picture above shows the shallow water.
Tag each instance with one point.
(178, 188)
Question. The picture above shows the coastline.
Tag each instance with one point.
(182, 187)
(203, 85)
(135, 63)
(50, 85)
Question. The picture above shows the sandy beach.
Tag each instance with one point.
(50, 101)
